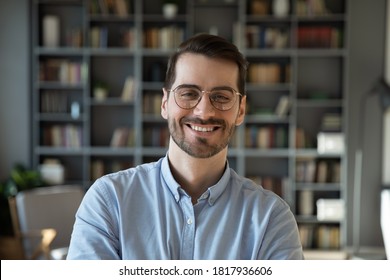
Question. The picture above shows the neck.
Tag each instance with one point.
(196, 175)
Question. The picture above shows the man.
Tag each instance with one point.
(189, 204)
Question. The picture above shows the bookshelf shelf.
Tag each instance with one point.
(112, 46)
(46, 150)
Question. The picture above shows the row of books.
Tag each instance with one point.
(302, 139)
(319, 37)
(311, 8)
(302, 7)
(53, 101)
(317, 171)
(167, 37)
(68, 135)
(100, 167)
(157, 136)
(266, 137)
(110, 7)
(278, 185)
(74, 37)
(152, 103)
(100, 38)
(61, 70)
(153, 137)
(50, 30)
(331, 122)
(123, 137)
(266, 37)
(319, 237)
(260, 7)
(269, 73)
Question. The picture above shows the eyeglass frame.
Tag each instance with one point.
(203, 93)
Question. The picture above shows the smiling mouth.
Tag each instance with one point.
(203, 129)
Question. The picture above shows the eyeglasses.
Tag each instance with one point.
(188, 96)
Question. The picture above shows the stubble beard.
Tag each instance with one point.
(201, 148)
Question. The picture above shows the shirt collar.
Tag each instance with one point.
(212, 193)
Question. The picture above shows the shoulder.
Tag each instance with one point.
(255, 193)
(140, 171)
(124, 181)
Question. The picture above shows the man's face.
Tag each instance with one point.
(203, 131)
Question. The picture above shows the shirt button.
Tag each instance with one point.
(189, 221)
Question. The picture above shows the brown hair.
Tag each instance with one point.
(211, 46)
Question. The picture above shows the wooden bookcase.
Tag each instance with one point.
(297, 87)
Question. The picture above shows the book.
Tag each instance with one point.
(300, 138)
(97, 169)
(263, 138)
(103, 8)
(283, 106)
(306, 234)
(265, 73)
(128, 92)
(336, 172)
(331, 122)
(306, 203)
(310, 171)
(120, 137)
(322, 172)
(123, 137)
(121, 8)
(51, 31)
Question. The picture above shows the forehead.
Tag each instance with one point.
(205, 71)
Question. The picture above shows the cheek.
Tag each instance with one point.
(169, 109)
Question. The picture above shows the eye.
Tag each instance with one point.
(222, 96)
(188, 93)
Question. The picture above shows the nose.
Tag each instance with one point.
(204, 108)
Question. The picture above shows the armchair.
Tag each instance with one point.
(43, 219)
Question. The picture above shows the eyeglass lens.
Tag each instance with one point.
(188, 97)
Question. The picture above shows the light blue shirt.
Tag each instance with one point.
(143, 213)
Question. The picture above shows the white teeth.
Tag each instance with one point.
(202, 129)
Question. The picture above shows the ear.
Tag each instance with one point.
(241, 111)
(164, 104)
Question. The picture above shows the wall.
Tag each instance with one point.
(14, 85)
(366, 65)
(367, 41)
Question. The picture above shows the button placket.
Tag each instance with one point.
(188, 239)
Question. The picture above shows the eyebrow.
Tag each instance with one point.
(198, 87)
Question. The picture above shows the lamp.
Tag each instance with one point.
(382, 89)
